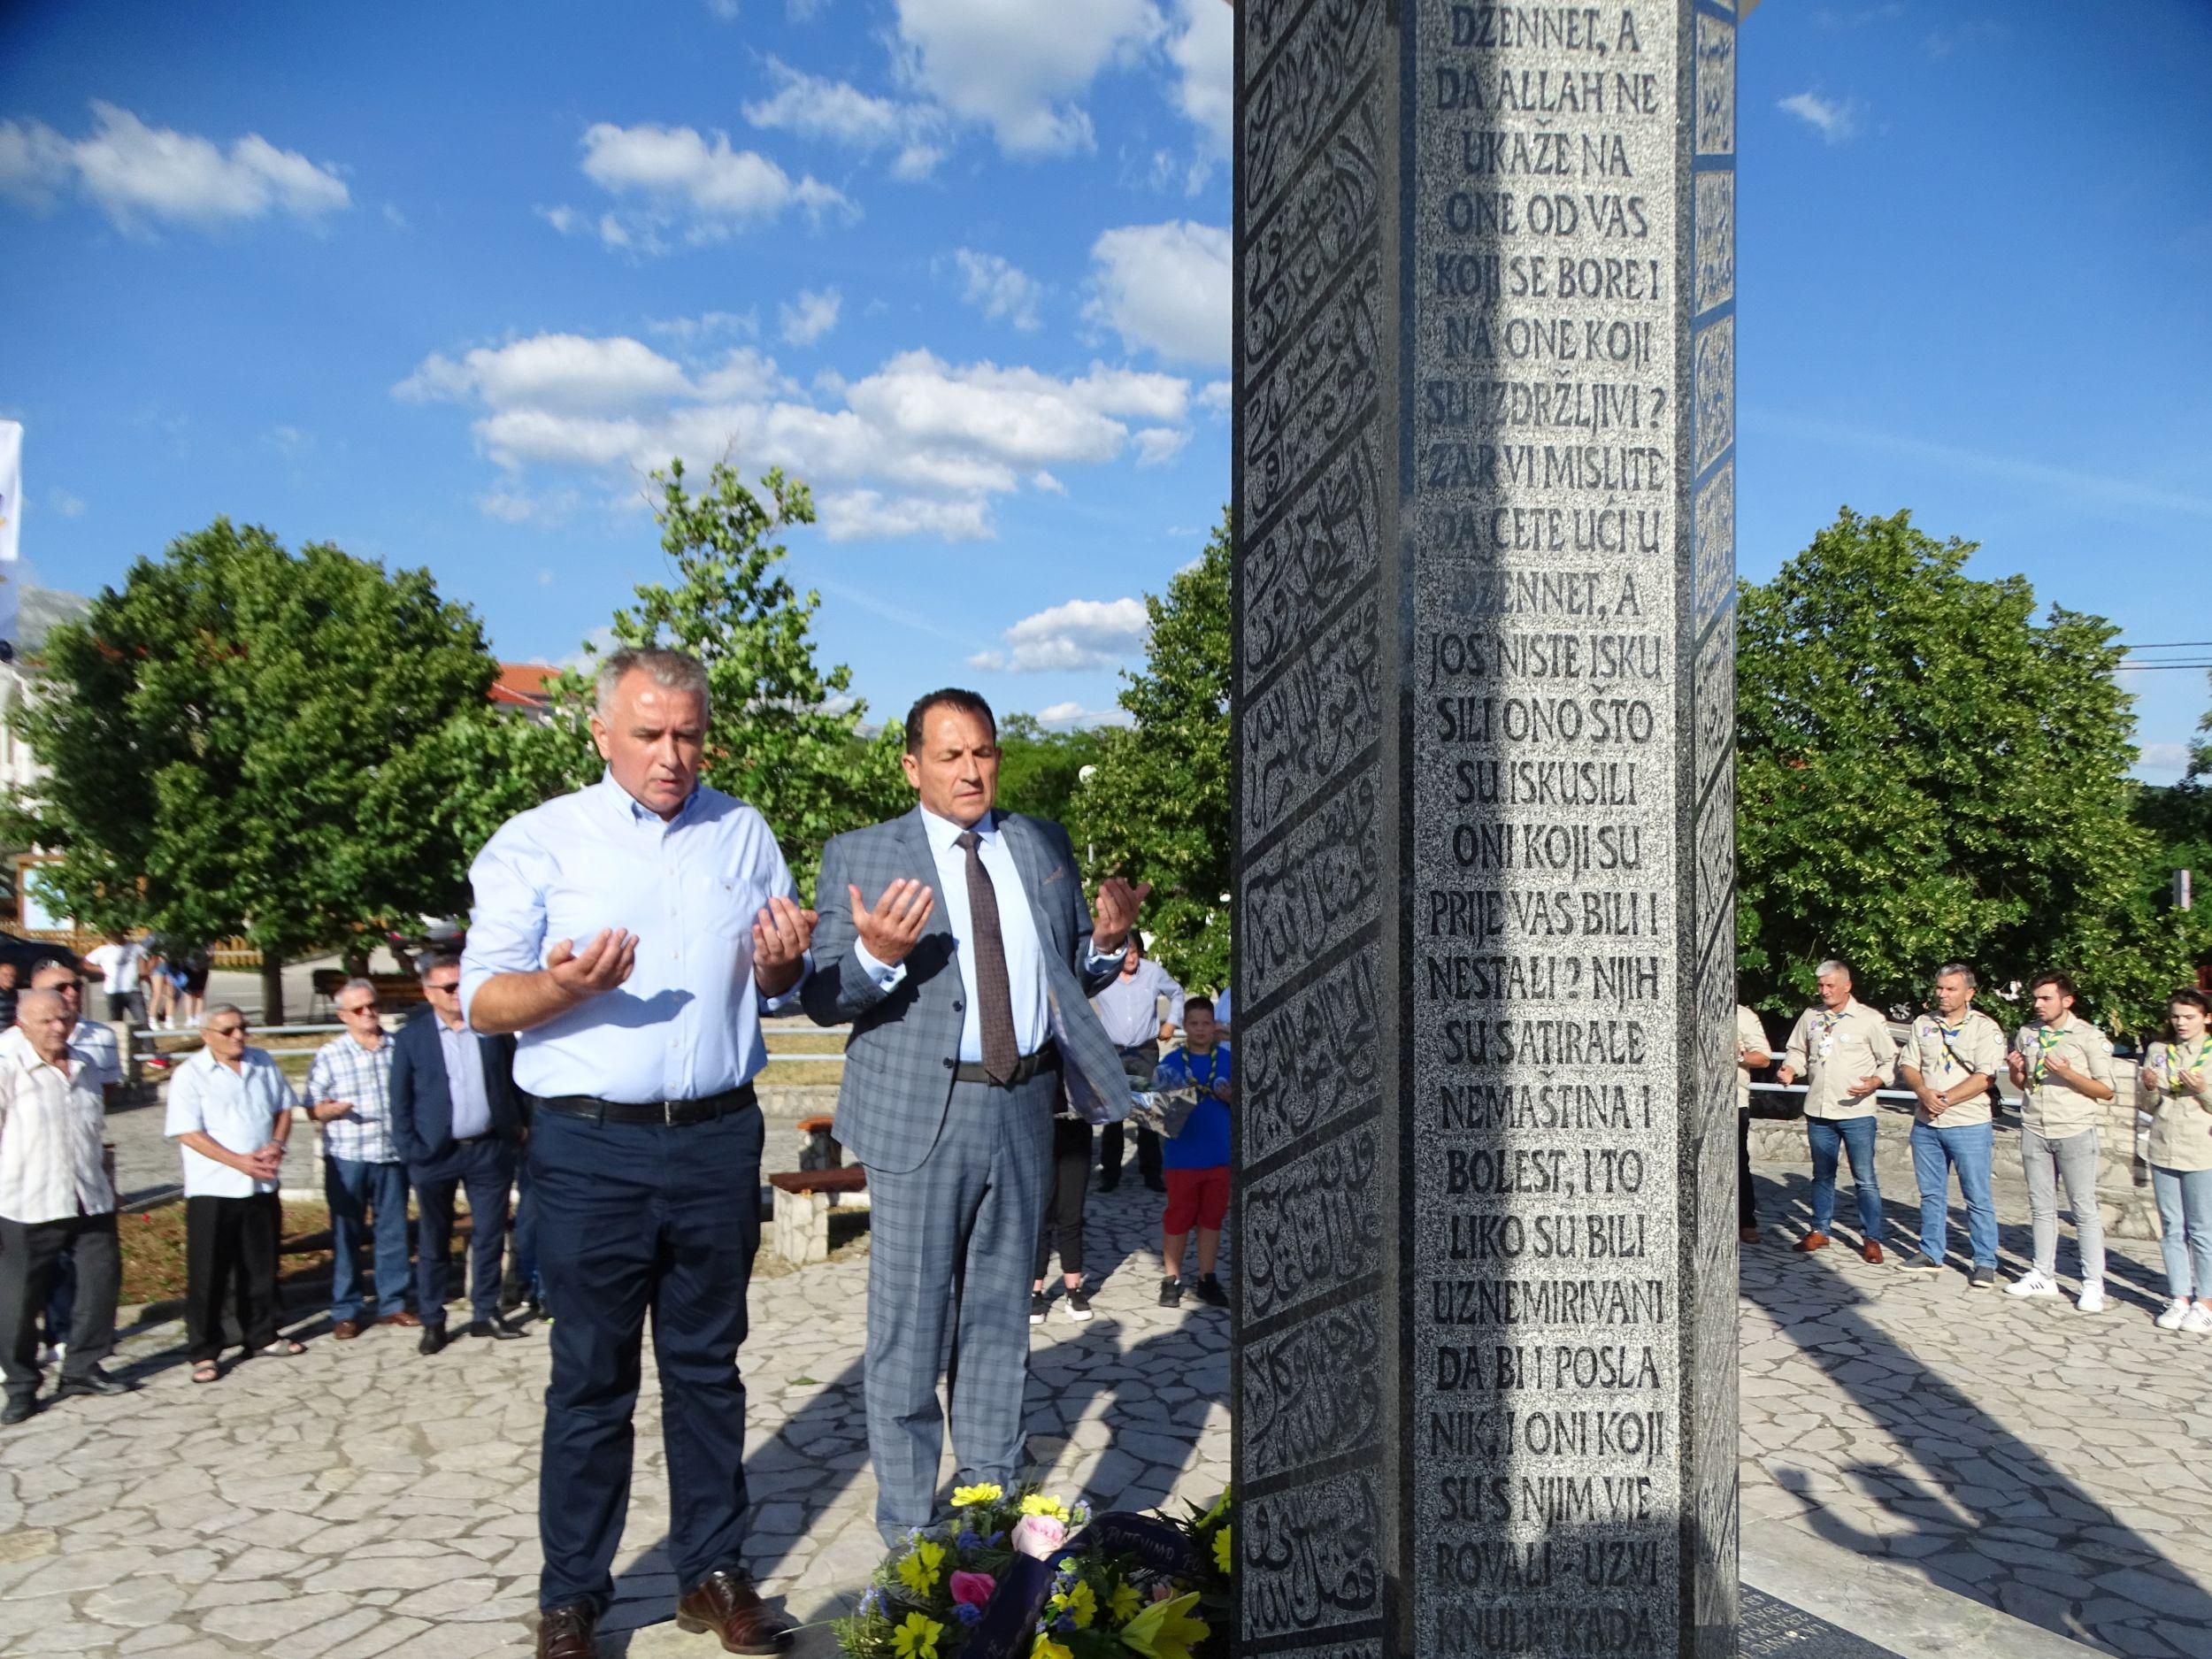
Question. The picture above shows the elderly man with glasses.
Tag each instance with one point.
(230, 1111)
(349, 1093)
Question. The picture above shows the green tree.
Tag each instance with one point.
(1158, 809)
(233, 742)
(1926, 771)
(1040, 772)
(786, 736)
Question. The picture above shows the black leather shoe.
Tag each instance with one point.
(434, 1340)
(20, 1408)
(95, 1381)
(565, 1633)
(497, 1330)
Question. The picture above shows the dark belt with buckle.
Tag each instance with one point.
(674, 1114)
(1046, 1059)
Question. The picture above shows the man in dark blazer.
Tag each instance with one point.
(956, 941)
(457, 1122)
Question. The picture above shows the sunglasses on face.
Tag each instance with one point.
(450, 984)
(226, 1031)
(365, 1007)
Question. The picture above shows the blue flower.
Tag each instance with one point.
(997, 1540)
(968, 1540)
(872, 1602)
(966, 1612)
(1065, 1622)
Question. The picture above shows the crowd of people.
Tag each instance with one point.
(2064, 1071)
(625, 943)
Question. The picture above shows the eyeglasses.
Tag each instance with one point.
(364, 1007)
(450, 985)
(228, 1031)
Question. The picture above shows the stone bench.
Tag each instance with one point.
(800, 1227)
(821, 1149)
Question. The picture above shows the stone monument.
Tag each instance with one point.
(1486, 1370)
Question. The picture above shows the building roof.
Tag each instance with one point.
(522, 685)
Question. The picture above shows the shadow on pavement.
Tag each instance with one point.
(1987, 1515)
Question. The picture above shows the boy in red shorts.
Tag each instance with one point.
(1195, 1161)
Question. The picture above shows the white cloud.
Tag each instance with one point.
(1081, 633)
(838, 112)
(1158, 445)
(1165, 288)
(1060, 716)
(706, 326)
(2162, 757)
(676, 186)
(998, 289)
(725, 11)
(512, 505)
(1836, 122)
(142, 176)
(64, 505)
(807, 319)
(1018, 67)
(919, 446)
(1203, 50)
(857, 515)
(1215, 397)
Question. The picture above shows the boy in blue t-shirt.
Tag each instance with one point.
(1196, 1160)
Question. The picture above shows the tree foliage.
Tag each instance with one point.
(1926, 771)
(242, 739)
(785, 735)
(1158, 809)
(1039, 771)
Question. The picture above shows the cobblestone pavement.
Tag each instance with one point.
(362, 1500)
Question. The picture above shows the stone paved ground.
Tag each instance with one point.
(361, 1500)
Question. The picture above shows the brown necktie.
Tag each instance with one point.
(993, 1002)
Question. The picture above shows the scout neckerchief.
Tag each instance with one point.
(2171, 1081)
(1825, 1026)
(2046, 1040)
(1945, 1033)
(1213, 1068)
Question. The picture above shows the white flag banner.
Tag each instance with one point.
(10, 488)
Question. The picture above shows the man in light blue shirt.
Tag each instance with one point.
(1130, 1010)
(632, 934)
(230, 1112)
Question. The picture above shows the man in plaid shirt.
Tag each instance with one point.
(349, 1091)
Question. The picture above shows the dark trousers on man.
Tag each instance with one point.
(639, 1220)
(361, 1195)
(31, 1253)
(522, 1283)
(229, 1243)
(1070, 1179)
(484, 1165)
(1746, 1207)
(1139, 1061)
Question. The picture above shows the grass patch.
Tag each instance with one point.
(154, 1260)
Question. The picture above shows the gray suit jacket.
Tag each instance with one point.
(899, 1060)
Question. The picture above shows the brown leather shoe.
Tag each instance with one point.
(402, 1317)
(1872, 1252)
(726, 1603)
(565, 1633)
(346, 1330)
(1811, 1242)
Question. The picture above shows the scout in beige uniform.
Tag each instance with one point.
(1752, 1055)
(1843, 1051)
(1951, 1059)
(2178, 1077)
(2063, 1069)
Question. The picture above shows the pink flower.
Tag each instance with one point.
(973, 1588)
(1039, 1535)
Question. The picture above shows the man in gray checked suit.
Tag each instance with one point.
(963, 956)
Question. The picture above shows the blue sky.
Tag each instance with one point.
(437, 283)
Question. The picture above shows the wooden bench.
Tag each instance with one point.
(799, 1231)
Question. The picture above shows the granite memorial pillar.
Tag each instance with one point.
(1485, 1373)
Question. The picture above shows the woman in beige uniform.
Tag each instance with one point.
(2177, 1078)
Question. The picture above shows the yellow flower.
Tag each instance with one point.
(918, 1571)
(1166, 1629)
(1223, 1550)
(1123, 1603)
(1080, 1604)
(917, 1638)
(1047, 1648)
(989, 1492)
(1037, 1503)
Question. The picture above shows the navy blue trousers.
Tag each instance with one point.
(486, 1167)
(637, 1219)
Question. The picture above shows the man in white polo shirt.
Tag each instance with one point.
(56, 1201)
(230, 1111)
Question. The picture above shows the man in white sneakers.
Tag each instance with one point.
(2062, 1067)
